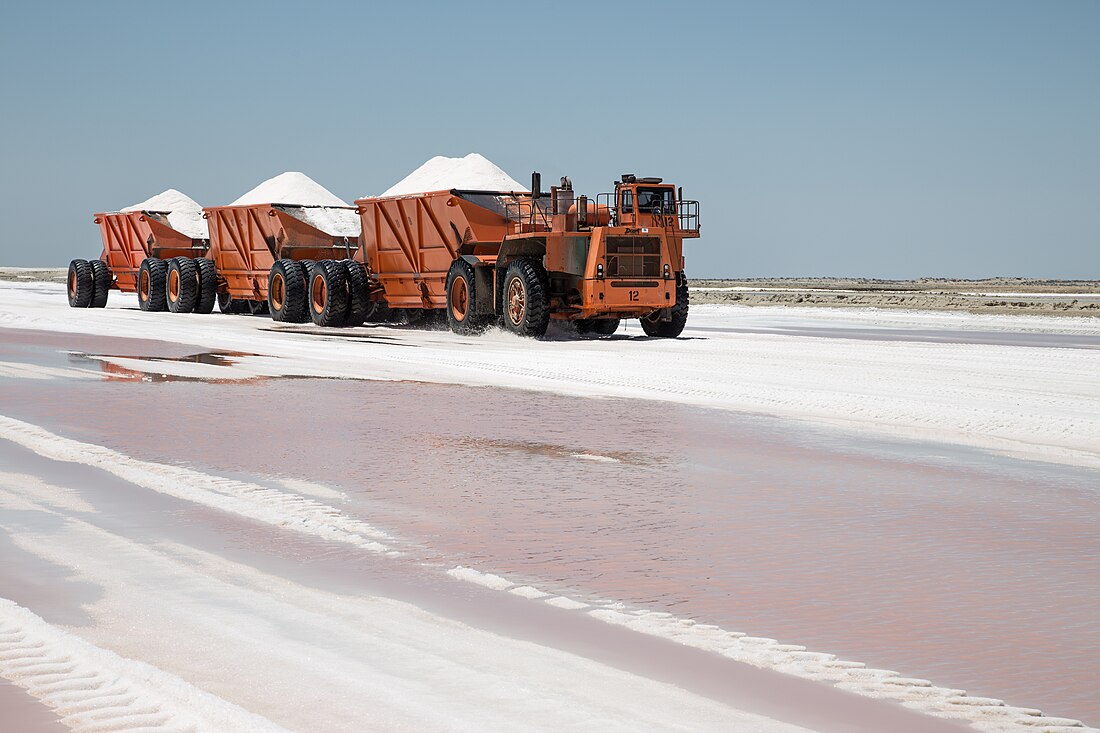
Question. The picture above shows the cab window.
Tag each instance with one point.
(656, 199)
(628, 202)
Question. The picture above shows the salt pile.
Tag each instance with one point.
(184, 213)
(290, 188)
(472, 173)
(298, 189)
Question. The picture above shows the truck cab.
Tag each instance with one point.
(645, 202)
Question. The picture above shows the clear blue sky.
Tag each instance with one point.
(879, 138)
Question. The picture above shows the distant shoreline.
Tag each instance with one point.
(1031, 296)
(991, 295)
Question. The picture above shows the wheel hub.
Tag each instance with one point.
(460, 299)
(277, 290)
(517, 301)
(318, 294)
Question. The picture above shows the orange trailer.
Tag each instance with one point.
(129, 239)
(264, 253)
(522, 258)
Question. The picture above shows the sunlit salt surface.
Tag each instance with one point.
(944, 563)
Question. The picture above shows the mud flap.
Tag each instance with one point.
(484, 286)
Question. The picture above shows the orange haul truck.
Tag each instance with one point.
(523, 258)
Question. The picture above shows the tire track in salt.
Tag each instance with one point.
(983, 713)
(93, 690)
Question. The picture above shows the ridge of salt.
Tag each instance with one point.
(474, 172)
(184, 213)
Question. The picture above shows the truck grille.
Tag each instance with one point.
(633, 257)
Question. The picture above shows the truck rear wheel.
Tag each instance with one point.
(673, 328)
(150, 285)
(208, 285)
(526, 298)
(80, 285)
(101, 283)
(183, 285)
(286, 292)
(257, 307)
(328, 294)
(359, 302)
(462, 299)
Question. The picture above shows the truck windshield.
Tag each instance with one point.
(656, 199)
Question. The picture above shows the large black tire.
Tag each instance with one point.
(286, 292)
(462, 315)
(152, 277)
(183, 285)
(208, 285)
(359, 302)
(101, 283)
(80, 285)
(526, 298)
(673, 328)
(328, 294)
(257, 307)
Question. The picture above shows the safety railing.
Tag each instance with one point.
(530, 214)
(687, 214)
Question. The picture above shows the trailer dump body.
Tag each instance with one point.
(131, 236)
(410, 242)
(246, 241)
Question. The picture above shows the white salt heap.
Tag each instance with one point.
(298, 189)
(184, 213)
(290, 188)
(472, 173)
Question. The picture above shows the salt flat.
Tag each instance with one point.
(285, 586)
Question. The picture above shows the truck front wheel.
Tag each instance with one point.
(526, 298)
(672, 328)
